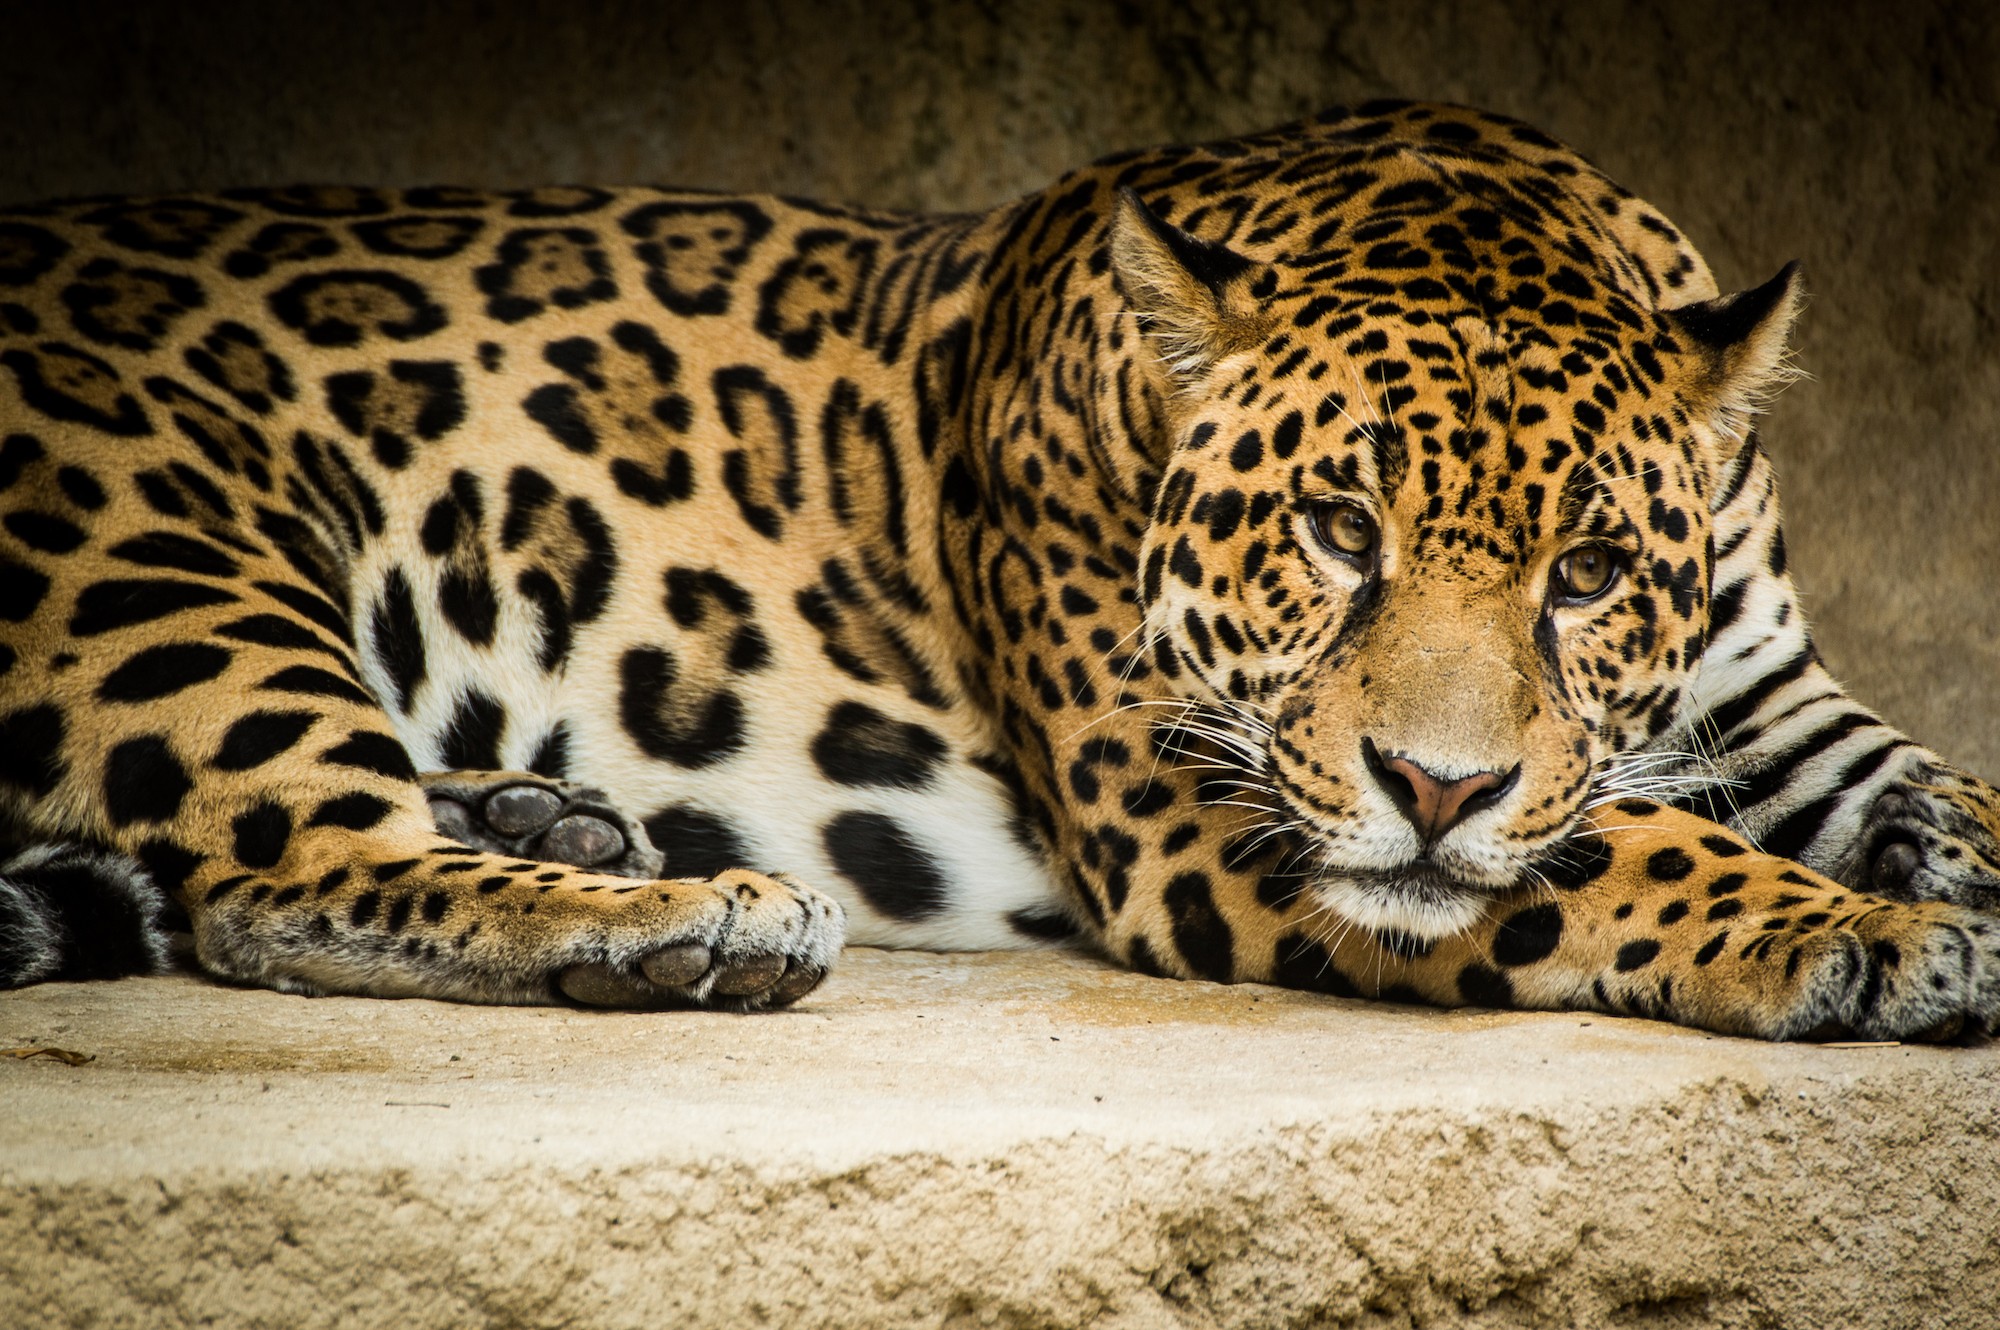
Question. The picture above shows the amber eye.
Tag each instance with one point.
(1586, 572)
(1344, 529)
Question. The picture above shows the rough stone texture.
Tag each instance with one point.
(976, 1141)
(1858, 136)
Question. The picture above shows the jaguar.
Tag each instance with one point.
(1338, 557)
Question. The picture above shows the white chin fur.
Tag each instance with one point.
(1421, 907)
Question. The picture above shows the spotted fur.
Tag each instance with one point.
(514, 597)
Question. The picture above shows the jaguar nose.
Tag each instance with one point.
(1434, 804)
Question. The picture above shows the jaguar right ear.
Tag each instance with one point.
(1743, 341)
(1197, 301)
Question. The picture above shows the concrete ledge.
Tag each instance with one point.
(975, 1141)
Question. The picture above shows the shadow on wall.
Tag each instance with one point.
(1857, 137)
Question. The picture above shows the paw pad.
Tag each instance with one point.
(521, 810)
(549, 820)
(582, 840)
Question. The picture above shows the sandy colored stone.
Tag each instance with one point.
(975, 1141)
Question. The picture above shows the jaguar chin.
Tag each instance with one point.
(1420, 901)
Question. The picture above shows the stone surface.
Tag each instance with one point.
(1857, 136)
(1013, 1141)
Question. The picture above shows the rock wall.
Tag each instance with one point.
(1861, 138)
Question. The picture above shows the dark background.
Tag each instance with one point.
(1861, 138)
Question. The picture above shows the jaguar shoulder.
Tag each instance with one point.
(1337, 557)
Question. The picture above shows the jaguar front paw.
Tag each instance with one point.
(1919, 972)
(534, 817)
(739, 942)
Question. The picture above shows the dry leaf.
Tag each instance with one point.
(62, 1055)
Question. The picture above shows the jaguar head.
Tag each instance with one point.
(1431, 540)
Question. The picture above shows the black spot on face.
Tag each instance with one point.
(470, 606)
(1247, 454)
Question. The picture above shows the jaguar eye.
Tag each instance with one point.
(1586, 572)
(1343, 528)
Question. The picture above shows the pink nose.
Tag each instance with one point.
(1434, 804)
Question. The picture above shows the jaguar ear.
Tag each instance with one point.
(1197, 301)
(1742, 342)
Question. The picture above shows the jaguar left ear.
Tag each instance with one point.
(1742, 342)
(1197, 301)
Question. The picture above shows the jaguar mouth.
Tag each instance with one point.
(1419, 901)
